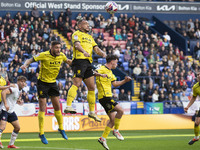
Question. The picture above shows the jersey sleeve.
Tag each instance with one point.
(13, 89)
(64, 57)
(39, 57)
(76, 37)
(113, 78)
(93, 42)
(194, 92)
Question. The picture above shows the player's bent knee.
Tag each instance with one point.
(17, 129)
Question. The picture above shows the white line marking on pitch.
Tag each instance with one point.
(52, 148)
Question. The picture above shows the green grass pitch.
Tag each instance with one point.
(134, 140)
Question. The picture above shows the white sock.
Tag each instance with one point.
(196, 137)
(69, 106)
(91, 112)
(0, 136)
(116, 130)
(13, 138)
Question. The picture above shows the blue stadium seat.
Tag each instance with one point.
(117, 91)
(6, 64)
(28, 83)
(10, 59)
(100, 60)
(30, 96)
(104, 61)
(63, 82)
(33, 68)
(125, 66)
(12, 55)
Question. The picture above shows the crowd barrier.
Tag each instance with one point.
(153, 120)
(133, 107)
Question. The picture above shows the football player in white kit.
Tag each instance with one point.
(10, 97)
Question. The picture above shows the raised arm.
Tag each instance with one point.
(119, 83)
(69, 61)
(190, 103)
(99, 52)
(27, 63)
(7, 86)
(78, 46)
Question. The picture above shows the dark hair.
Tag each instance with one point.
(80, 21)
(53, 43)
(20, 78)
(110, 57)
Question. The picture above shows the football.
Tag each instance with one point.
(111, 7)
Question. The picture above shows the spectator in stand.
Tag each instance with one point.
(35, 13)
(60, 24)
(103, 23)
(123, 96)
(45, 18)
(179, 29)
(137, 71)
(32, 89)
(166, 36)
(184, 98)
(155, 96)
(129, 96)
(197, 50)
(115, 95)
(149, 92)
(127, 56)
(68, 14)
(190, 25)
(140, 55)
(162, 97)
(2, 35)
(51, 20)
(90, 22)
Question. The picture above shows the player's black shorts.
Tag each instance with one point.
(108, 104)
(9, 117)
(82, 68)
(47, 89)
(197, 114)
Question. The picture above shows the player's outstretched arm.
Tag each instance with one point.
(99, 52)
(78, 46)
(27, 63)
(69, 61)
(99, 74)
(7, 86)
(119, 83)
(190, 103)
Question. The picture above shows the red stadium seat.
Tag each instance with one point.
(73, 21)
(123, 46)
(118, 29)
(122, 42)
(106, 34)
(111, 38)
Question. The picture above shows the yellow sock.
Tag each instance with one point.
(71, 95)
(41, 121)
(91, 100)
(117, 122)
(196, 130)
(106, 132)
(59, 118)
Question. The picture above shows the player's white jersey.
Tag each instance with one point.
(11, 99)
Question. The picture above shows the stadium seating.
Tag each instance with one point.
(125, 66)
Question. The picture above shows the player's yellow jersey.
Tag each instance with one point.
(196, 89)
(87, 43)
(2, 83)
(50, 66)
(104, 85)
